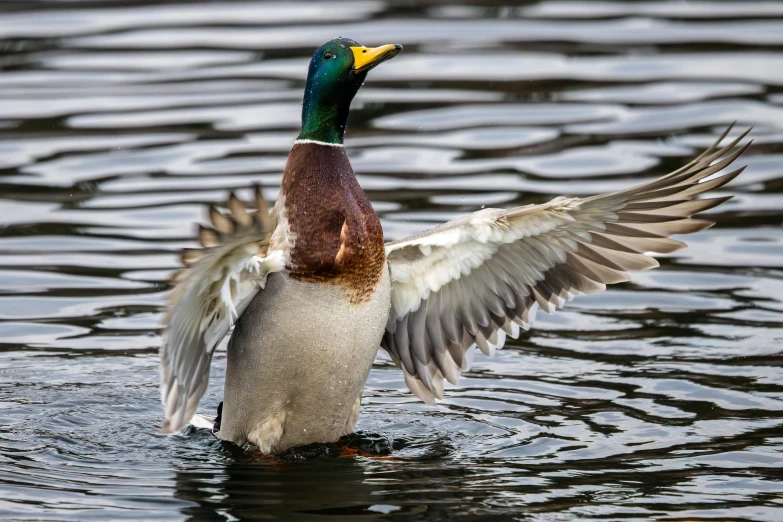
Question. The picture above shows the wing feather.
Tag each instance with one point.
(219, 281)
(472, 281)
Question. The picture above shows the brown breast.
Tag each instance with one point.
(338, 238)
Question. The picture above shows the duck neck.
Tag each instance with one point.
(323, 120)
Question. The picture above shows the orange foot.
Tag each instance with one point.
(256, 454)
(349, 452)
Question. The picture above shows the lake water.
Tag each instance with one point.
(659, 399)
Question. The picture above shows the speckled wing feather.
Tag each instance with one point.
(473, 280)
(210, 293)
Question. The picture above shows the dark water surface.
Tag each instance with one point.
(659, 399)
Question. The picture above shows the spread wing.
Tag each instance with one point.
(210, 293)
(473, 280)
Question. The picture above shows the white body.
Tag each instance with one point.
(297, 363)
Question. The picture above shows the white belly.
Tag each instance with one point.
(297, 363)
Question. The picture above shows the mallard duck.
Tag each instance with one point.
(313, 291)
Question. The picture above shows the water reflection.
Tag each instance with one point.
(252, 490)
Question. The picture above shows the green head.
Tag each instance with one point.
(337, 70)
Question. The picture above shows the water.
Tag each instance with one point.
(661, 398)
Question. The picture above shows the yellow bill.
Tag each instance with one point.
(365, 58)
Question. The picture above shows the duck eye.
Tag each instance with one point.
(328, 55)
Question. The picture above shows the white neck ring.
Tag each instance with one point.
(316, 142)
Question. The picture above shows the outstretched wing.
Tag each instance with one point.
(473, 280)
(210, 293)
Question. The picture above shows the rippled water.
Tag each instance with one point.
(661, 398)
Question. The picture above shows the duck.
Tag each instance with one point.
(313, 291)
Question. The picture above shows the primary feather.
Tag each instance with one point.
(210, 293)
(471, 281)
